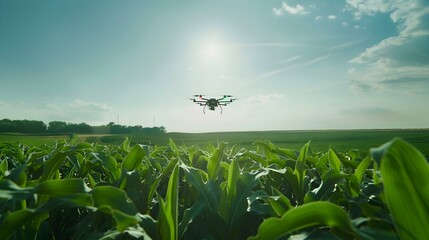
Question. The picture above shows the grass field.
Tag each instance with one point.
(35, 140)
(342, 140)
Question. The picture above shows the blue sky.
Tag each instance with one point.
(292, 64)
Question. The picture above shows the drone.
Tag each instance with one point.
(212, 103)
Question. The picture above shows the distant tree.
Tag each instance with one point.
(57, 127)
(29, 126)
(7, 125)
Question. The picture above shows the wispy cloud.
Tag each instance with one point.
(288, 60)
(367, 110)
(370, 111)
(317, 18)
(84, 106)
(332, 17)
(2, 104)
(297, 10)
(274, 72)
(47, 106)
(400, 54)
(315, 60)
(266, 44)
(348, 44)
(264, 99)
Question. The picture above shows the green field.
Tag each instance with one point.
(320, 139)
(82, 190)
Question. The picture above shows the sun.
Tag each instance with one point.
(211, 51)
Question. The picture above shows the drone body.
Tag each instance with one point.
(212, 103)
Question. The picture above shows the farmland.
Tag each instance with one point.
(187, 188)
(342, 140)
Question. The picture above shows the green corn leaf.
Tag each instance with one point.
(254, 156)
(61, 187)
(134, 158)
(213, 165)
(329, 179)
(15, 220)
(334, 161)
(3, 167)
(308, 215)
(360, 170)
(279, 202)
(300, 167)
(168, 218)
(405, 177)
(11, 191)
(113, 197)
(52, 165)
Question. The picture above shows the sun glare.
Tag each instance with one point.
(211, 51)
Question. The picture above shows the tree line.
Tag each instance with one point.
(58, 127)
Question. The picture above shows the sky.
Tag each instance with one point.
(293, 65)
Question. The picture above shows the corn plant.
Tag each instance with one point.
(93, 191)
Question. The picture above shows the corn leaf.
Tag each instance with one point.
(308, 215)
(405, 177)
(134, 158)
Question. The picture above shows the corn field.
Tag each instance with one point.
(93, 191)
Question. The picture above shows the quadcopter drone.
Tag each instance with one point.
(212, 103)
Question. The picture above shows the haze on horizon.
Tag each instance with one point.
(292, 64)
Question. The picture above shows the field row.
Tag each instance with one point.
(125, 191)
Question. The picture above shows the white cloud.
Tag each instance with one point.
(397, 59)
(297, 10)
(264, 99)
(332, 17)
(318, 18)
(84, 106)
(47, 106)
(348, 44)
(345, 24)
(2, 104)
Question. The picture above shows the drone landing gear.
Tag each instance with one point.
(204, 108)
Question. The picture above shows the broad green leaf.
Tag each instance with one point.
(305, 216)
(52, 165)
(300, 167)
(168, 218)
(15, 221)
(405, 177)
(334, 161)
(134, 159)
(360, 170)
(254, 156)
(205, 191)
(61, 187)
(3, 167)
(213, 165)
(11, 191)
(327, 186)
(279, 202)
